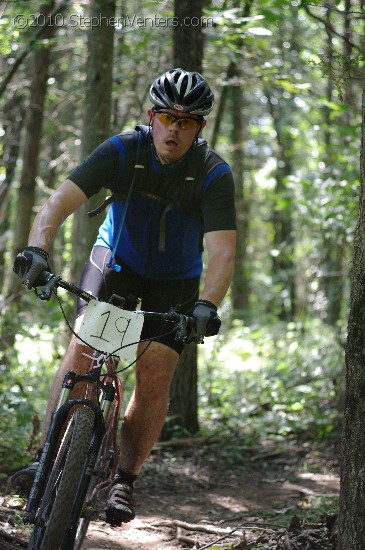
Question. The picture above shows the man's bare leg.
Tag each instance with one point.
(147, 408)
(141, 426)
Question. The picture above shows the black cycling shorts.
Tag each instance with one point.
(154, 295)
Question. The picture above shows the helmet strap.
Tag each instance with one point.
(198, 132)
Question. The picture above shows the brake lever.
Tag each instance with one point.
(186, 332)
(47, 289)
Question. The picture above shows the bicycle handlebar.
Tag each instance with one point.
(186, 325)
(49, 281)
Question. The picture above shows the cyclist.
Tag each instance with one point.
(169, 189)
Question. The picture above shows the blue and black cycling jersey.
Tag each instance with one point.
(170, 208)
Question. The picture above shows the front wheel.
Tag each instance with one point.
(53, 515)
(105, 464)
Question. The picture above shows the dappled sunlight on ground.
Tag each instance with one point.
(208, 485)
(137, 535)
(229, 503)
(325, 480)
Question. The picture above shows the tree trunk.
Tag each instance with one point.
(234, 90)
(26, 195)
(283, 262)
(240, 283)
(334, 246)
(230, 73)
(33, 134)
(352, 493)
(98, 105)
(183, 410)
(184, 395)
(13, 123)
(221, 106)
(188, 36)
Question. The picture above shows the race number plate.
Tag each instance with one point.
(111, 329)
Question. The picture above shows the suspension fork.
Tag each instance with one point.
(112, 424)
(59, 418)
(111, 386)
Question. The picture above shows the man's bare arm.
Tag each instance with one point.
(221, 248)
(63, 202)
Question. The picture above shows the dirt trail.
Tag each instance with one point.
(219, 487)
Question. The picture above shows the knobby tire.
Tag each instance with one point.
(104, 464)
(54, 513)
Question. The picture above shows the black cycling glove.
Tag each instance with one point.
(207, 320)
(30, 263)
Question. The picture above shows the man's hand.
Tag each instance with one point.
(30, 263)
(207, 320)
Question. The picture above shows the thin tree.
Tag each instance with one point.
(352, 492)
(283, 266)
(240, 283)
(97, 115)
(40, 61)
(13, 124)
(188, 54)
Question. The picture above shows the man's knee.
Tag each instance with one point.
(155, 367)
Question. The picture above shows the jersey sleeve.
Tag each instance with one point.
(218, 203)
(100, 169)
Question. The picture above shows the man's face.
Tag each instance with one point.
(171, 141)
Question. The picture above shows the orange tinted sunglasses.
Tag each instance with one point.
(184, 123)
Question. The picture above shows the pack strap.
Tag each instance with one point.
(162, 233)
(137, 167)
(168, 206)
(102, 206)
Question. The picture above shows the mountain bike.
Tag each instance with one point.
(80, 454)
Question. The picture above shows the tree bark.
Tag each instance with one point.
(13, 124)
(240, 283)
(98, 106)
(33, 134)
(230, 73)
(334, 245)
(283, 263)
(184, 395)
(188, 36)
(183, 410)
(234, 91)
(352, 492)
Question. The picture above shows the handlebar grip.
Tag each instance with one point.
(42, 279)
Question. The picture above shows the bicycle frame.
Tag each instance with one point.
(110, 386)
(109, 389)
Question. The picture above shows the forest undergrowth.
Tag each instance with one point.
(266, 459)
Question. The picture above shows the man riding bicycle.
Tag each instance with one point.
(169, 190)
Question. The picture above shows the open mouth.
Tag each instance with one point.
(171, 143)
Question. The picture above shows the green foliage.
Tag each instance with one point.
(273, 382)
(26, 376)
(341, 69)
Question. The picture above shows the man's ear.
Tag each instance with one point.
(202, 125)
(150, 115)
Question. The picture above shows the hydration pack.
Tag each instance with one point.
(134, 171)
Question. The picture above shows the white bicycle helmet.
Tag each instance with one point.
(183, 91)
